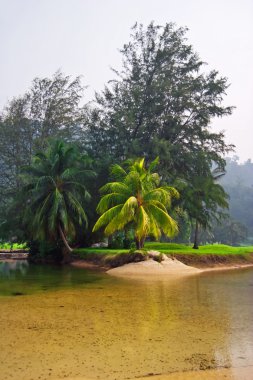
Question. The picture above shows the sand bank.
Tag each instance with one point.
(154, 270)
(151, 267)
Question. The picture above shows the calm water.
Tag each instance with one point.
(20, 278)
(68, 322)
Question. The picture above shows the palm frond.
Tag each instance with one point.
(154, 229)
(115, 187)
(142, 223)
(118, 172)
(107, 217)
(110, 200)
(164, 220)
(153, 165)
(129, 208)
(77, 208)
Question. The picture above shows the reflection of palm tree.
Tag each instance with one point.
(136, 198)
(55, 192)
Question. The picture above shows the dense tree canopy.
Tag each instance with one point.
(49, 109)
(161, 103)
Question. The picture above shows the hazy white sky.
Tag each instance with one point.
(37, 37)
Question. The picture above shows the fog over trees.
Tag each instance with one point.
(161, 104)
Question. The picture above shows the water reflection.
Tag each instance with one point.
(11, 268)
(21, 278)
(119, 329)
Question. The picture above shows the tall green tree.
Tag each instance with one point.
(202, 197)
(136, 198)
(51, 108)
(55, 193)
(161, 103)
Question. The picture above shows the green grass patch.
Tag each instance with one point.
(214, 249)
(13, 246)
(83, 252)
(171, 248)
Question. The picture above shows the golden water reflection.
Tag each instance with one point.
(124, 329)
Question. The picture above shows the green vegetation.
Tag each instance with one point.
(54, 191)
(13, 246)
(209, 255)
(215, 249)
(203, 198)
(137, 199)
(172, 248)
(161, 104)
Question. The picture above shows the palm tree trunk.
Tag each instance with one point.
(68, 248)
(142, 242)
(138, 243)
(195, 245)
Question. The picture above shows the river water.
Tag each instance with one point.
(58, 323)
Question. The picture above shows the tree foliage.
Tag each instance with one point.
(55, 192)
(136, 197)
(161, 103)
(202, 197)
(49, 109)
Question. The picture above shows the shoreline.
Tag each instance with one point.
(155, 271)
(174, 266)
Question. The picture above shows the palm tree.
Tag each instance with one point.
(54, 190)
(203, 198)
(136, 198)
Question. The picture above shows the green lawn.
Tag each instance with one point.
(99, 251)
(172, 248)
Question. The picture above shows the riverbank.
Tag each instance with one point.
(13, 255)
(168, 259)
(176, 265)
(206, 257)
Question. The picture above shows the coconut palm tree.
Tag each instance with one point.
(55, 192)
(136, 198)
(202, 197)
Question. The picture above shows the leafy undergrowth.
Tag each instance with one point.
(13, 246)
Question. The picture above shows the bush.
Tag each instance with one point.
(44, 252)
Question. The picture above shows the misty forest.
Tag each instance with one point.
(57, 152)
(126, 224)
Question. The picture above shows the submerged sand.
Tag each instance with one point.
(242, 373)
(182, 328)
(118, 329)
